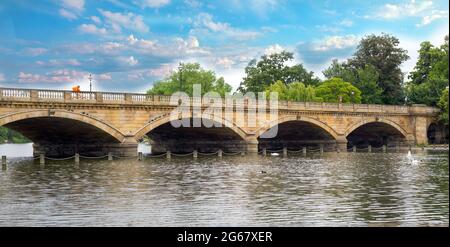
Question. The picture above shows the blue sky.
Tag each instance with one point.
(127, 45)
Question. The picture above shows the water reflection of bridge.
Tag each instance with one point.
(61, 123)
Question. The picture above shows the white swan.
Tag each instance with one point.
(412, 161)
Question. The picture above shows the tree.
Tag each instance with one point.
(430, 75)
(332, 89)
(367, 82)
(185, 77)
(340, 70)
(271, 68)
(443, 104)
(382, 52)
(365, 79)
(295, 91)
(8, 135)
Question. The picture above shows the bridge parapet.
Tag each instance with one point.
(63, 96)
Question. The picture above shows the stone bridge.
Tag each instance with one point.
(61, 123)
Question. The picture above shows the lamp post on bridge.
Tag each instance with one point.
(180, 69)
(90, 86)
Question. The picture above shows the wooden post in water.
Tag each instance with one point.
(285, 152)
(168, 155)
(220, 153)
(369, 149)
(195, 154)
(304, 150)
(321, 148)
(140, 156)
(42, 159)
(110, 157)
(243, 153)
(4, 164)
(384, 148)
(77, 158)
(264, 151)
(354, 149)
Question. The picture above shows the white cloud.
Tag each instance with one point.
(435, 15)
(146, 74)
(2, 77)
(60, 62)
(92, 29)
(328, 29)
(34, 51)
(225, 62)
(205, 21)
(124, 20)
(412, 8)
(128, 61)
(423, 9)
(346, 23)
(153, 3)
(57, 76)
(96, 19)
(71, 9)
(261, 7)
(193, 3)
(103, 77)
(67, 14)
(273, 49)
(316, 54)
(73, 4)
(338, 42)
(145, 45)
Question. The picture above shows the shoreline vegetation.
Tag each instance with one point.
(11, 136)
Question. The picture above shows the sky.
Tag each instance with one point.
(128, 45)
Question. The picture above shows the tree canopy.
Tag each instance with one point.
(430, 75)
(185, 77)
(295, 91)
(365, 79)
(443, 104)
(332, 89)
(272, 68)
(385, 56)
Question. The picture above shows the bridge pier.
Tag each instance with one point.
(341, 144)
(251, 146)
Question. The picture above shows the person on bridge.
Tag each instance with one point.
(76, 90)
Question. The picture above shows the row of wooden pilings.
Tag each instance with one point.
(195, 154)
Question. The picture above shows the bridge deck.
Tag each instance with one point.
(63, 96)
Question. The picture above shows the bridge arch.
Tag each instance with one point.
(165, 137)
(100, 124)
(295, 131)
(376, 132)
(164, 119)
(59, 133)
(437, 133)
(289, 118)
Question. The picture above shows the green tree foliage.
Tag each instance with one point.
(185, 77)
(271, 68)
(331, 89)
(365, 79)
(430, 75)
(11, 136)
(295, 91)
(382, 52)
(443, 104)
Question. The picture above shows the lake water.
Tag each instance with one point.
(345, 189)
